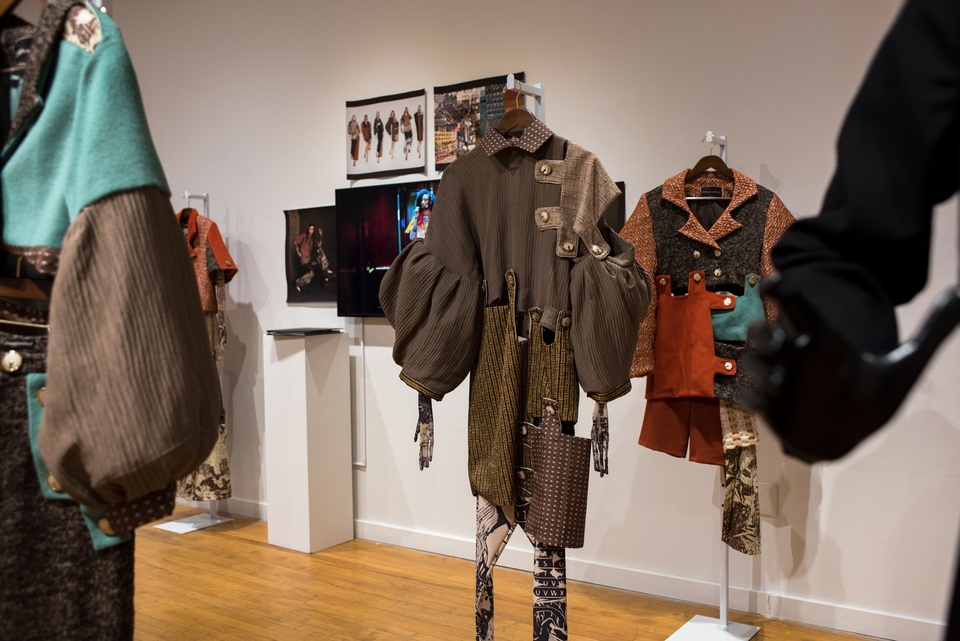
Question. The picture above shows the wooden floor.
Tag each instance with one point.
(227, 583)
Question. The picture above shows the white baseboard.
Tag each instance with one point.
(778, 606)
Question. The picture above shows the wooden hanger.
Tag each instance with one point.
(515, 119)
(710, 162)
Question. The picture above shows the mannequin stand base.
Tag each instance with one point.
(701, 628)
(193, 523)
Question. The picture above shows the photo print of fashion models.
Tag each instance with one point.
(385, 136)
(310, 253)
(462, 113)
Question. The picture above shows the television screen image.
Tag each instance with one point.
(374, 224)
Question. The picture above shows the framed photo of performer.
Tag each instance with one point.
(310, 253)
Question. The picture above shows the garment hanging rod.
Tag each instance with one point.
(204, 197)
(538, 91)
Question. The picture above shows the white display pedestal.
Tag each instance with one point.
(307, 444)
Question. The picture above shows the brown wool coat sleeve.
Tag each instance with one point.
(133, 396)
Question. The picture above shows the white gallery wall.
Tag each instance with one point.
(246, 102)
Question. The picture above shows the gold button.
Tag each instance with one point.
(752, 280)
(54, 483)
(728, 366)
(663, 281)
(718, 272)
(521, 474)
(696, 253)
(549, 410)
(104, 525)
(544, 216)
(545, 170)
(697, 277)
(568, 247)
(717, 253)
(565, 322)
(11, 361)
(42, 396)
(596, 249)
(727, 301)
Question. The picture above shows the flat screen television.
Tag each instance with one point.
(374, 224)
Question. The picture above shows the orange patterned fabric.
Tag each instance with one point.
(638, 230)
(209, 254)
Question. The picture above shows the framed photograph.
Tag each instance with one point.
(462, 113)
(310, 252)
(386, 136)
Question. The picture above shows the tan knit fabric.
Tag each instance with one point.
(133, 400)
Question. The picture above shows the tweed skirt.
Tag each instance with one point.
(53, 583)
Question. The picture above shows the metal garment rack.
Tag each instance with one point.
(537, 91)
(197, 521)
(701, 628)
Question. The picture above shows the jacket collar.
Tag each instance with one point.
(534, 136)
(189, 216)
(740, 189)
(39, 65)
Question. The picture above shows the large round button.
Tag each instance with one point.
(697, 277)
(550, 410)
(717, 253)
(11, 361)
(54, 483)
(663, 281)
(521, 474)
(752, 280)
(728, 366)
(728, 301)
(544, 216)
(105, 526)
(718, 272)
(545, 170)
(568, 247)
(596, 249)
(565, 322)
(696, 253)
(42, 396)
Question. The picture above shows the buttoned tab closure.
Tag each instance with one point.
(11, 361)
(697, 277)
(728, 301)
(544, 216)
(545, 169)
(568, 246)
(728, 366)
(753, 280)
